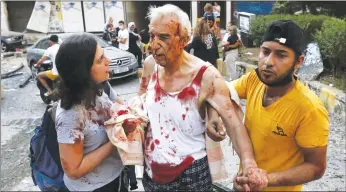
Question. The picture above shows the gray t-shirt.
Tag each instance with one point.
(87, 125)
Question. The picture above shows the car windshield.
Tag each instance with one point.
(100, 41)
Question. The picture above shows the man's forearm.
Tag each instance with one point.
(241, 141)
(234, 45)
(41, 60)
(300, 174)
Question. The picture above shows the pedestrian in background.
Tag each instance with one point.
(145, 40)
(134, 38)
(131, 173)
(208, 10)
(203, 45)
(217, 13)
(214, 28)
(123, 36)
(231, 43)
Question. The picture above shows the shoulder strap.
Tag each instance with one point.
(198, 79)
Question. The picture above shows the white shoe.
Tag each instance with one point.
(47, 94)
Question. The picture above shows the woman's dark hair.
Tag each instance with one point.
(73, 61)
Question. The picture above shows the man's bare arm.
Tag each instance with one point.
(313, 168)
(148, 68)
(218, 97)
(43, 58)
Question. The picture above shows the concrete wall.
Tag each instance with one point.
(136, 12)
(4, 17)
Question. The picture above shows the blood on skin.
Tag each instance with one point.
(144, 83)
(166, 172)
(229, 105)
(152, 146)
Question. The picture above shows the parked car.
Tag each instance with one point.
(123, 63)
(11, 40)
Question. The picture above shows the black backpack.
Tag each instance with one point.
(46, 169)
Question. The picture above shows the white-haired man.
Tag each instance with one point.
(178, 87)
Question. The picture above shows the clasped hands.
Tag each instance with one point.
(253, 179)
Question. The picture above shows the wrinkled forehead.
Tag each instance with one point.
(166, 24)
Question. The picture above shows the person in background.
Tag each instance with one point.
(89, 160)
(131, 173)
(208, 10)
(217, 13)
(123, 37)
(230, 44)
(145, 40)
(133, 46)
(108, 28)
(214, 28)
(203, 45)
(51, 54)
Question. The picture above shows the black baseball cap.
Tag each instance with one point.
(54, 38)
(287, 33)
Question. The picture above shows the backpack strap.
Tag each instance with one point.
(52, 110)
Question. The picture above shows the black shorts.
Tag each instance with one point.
(194, 178)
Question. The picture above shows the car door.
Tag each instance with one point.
(40, 48)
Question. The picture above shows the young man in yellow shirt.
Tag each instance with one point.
(287, 123)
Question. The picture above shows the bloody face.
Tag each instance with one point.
(276, 63)
(166, 44)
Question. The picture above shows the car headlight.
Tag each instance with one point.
(9, 39)
(133, 59)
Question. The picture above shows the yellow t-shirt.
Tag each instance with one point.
(298, 119)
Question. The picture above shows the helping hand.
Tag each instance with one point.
(254, 179)
(215, 130)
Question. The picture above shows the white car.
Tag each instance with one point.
(123, 63)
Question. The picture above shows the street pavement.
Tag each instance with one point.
(22, 108)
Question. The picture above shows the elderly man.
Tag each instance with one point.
(178, 86)
(287, 123)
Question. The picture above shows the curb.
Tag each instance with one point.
(8, 54)
(333, 99)
(10, 72)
